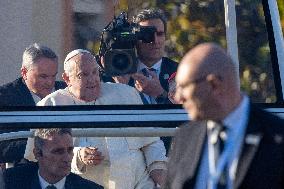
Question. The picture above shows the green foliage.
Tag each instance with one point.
(281, 8)
(281, 12)
(191, 22)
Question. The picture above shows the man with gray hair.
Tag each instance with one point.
(39, 69)
(114, 162)
(53, 148)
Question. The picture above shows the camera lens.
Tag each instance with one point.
(120, 61)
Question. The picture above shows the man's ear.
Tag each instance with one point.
(65, 77)
(24, 72)
(37, 153)
(214, 81)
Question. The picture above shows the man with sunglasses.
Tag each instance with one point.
(153, 69)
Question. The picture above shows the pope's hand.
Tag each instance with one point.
(90, 156)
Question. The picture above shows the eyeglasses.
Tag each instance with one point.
(196, 81)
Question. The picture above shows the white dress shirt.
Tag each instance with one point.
(43, 183)
(157, 67)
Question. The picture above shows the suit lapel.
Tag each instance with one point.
(197, 147)
(25, 97)
(35, 183)
(164, 74)
(250, 147)
(252, 140)
(195, 132)
(186, 154)
(68, 184)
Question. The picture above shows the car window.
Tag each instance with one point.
(189, 23)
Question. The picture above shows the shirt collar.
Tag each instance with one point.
(156, 66)
(239, 116)
(43, 183)
(37, 98)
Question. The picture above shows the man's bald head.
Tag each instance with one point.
(208, 81)
(209, 58)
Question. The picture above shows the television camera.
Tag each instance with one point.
(117, 52)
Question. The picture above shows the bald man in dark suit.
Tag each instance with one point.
(253, 139)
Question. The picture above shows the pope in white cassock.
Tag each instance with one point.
(114, 162)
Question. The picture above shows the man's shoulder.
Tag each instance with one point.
(192, 124)
(15, 93)
(118, 93)
(189, 130)
(55, 94)
(169, 62)
(30, 167)
(265, 118)
(76, 180)
(116, 86)
(168, 66)
(12, 86)
(54, 97)
(20, 174)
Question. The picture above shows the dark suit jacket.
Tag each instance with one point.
(26, 177)
(16, 93)
(261, 165)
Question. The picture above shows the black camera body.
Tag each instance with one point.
(118, 42)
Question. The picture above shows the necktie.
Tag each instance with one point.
(217, 139)
(145, 72)
(51, 187)
(153, 70)
(220, 143)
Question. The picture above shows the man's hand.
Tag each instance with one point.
(122, 79)
(90, 156)
(149, 86)
(158, 176)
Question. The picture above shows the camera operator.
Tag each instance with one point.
(151, 60)
(153, 85)
(153, 69)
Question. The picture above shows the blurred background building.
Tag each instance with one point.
(61, 25)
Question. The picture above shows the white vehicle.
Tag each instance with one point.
(165, 118)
